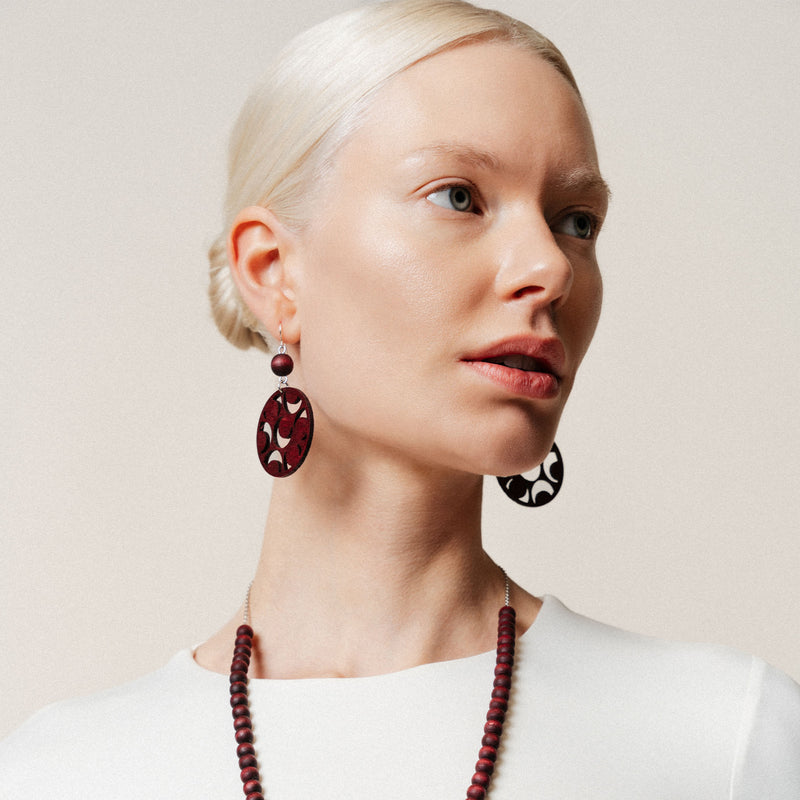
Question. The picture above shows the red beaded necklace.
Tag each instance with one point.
(492, 730)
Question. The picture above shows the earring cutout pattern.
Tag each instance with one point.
(286, 424)
(544, 486)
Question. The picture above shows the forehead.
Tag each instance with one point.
(493, 98)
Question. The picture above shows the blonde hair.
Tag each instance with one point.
(299, 114)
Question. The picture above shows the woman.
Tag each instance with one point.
(414, 223)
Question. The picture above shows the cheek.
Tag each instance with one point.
(587, 300)
(597, 295)
(370, 297)
(373, 280)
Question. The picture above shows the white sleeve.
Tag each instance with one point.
(767, 765)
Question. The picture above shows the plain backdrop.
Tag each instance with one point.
(132, 501)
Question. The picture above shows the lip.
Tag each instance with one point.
(542, 382)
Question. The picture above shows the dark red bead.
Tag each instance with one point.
(503, 680)
(506, 649)
(241, 711)
(502, 669)
(240, 666)
(244, 735)
(489, 753)
(251, 787)
(242, 723)
(485, 765)
(504, 658)
(496, 714)
(238, 677)
(481, 779)
(498, 702)
(476, 792)
(249, 761)
(249, 774)
(508, 611)
(507, 627)
(239, 699)
(493, 726)
(490, 739)
(500, 693)
(255, 796)
(244, 630)
(282, 364)
(246, 749)
(244, 641)
(240, 687)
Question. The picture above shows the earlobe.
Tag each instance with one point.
(258, 244)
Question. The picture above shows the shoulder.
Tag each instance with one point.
(699, 672)
(87, 747)
(571, 637)
(769, 742)
(729, 720)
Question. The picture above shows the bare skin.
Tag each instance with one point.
(372, 560)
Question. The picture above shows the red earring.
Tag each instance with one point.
(286, 424)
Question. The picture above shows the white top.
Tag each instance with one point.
(595, 713)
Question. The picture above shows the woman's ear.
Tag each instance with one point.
(258, 246)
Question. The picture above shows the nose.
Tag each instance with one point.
(531, 265)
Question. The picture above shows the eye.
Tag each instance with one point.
(578, 224)
(459, 198)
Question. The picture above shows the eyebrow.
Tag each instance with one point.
(584, 180)
(578, 180)
(466, 154)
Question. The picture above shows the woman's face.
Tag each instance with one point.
(447, 285)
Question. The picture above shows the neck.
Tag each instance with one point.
(397, 563)
(369, 574)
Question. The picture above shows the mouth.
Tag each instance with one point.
(524, 353)
(525, 365)
(521, 362)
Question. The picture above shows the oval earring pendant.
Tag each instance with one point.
(544, 485)
(285, 430)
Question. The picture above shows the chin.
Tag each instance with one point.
(518, 457)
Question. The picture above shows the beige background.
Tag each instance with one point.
(132, 501)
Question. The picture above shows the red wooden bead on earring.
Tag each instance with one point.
(282, 364)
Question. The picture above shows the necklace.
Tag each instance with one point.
(492, 730)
